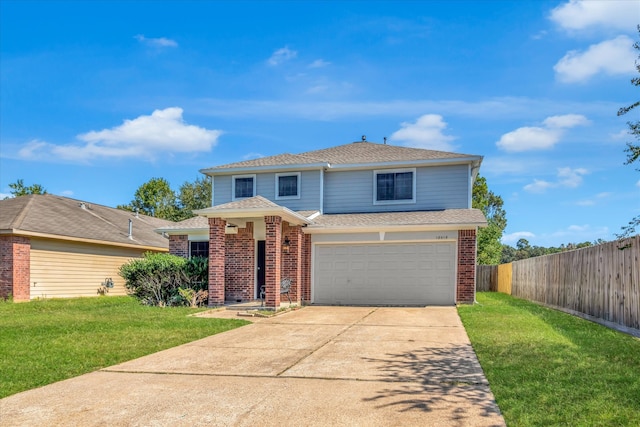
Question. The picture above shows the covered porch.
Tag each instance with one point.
(253, 243)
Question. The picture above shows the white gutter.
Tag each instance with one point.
(390, 228)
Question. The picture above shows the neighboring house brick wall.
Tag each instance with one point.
(466, 266)
(179, 245)
(15, 261)
(240, 265)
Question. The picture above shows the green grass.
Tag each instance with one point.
(548, 368)
(50, 340)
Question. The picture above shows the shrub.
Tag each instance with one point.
(156, 279)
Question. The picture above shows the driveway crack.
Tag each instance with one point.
(332, 339)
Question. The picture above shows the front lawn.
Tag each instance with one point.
(547, 368)
(50, 340)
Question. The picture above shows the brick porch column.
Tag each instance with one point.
(273, 249)
(216, 261)
(292, 262)
(466, 267)
(306, 267)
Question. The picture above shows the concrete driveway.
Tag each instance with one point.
(327, 366)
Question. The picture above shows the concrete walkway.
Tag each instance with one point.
(325, 366)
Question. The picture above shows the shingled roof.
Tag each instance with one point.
(69, 219)
(348, 154)
(445, 217)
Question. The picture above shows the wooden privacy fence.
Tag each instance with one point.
(600, 281)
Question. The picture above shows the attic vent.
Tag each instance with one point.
(364, 138)
(83, 206)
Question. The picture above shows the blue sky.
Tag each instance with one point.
(97, 97)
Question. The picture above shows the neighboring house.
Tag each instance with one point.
(361, 224)
(52, 246)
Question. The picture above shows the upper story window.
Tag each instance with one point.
(243, 186)
(288, 185)
(394, 186)
(199, 249)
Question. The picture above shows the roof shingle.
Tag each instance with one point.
(65, 217)
(353, 153)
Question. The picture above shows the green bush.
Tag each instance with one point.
(157, 278)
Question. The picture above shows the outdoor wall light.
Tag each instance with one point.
(286, 245)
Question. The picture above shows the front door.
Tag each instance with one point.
(260, 261)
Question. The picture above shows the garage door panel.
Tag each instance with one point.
(385, 274)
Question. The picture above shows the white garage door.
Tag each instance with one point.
(385, 274)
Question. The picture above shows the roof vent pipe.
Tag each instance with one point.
(131, 229)
(385, 140)
(364, 138)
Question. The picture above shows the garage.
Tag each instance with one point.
(416, 273)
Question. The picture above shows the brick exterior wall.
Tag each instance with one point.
(240, 264)
(15, 267)
(179, 245)
(465, 293)
(306, 268)
(273, 251)
(216, 261)
(292, 261)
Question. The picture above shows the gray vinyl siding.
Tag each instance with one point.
(437, 187)
(266, 187)
(221, 190)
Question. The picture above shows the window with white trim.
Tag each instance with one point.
(394, 186)
(243, 186)
(288, 185)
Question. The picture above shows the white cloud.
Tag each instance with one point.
(565, 121)
(514, 237)
(580, 233)
(623, 134)
(638, 184)
(426, 132)
(319, 63)
(610, 57)
(581, 14)
(538, 186)
(6, 196)
(594, 200)
(566, 178)
(529, 138)
(164, 131)
(66, 193)
(156, 42)
(32, 148)
(281, 55)
(540, 138)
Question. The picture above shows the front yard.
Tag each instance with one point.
(546, 367)
(50, 340)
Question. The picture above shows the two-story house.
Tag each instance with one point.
(357, 224)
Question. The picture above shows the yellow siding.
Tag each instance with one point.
(504, 278)
(62, 269)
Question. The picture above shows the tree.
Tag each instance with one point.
(154, 198)
(632, 150)
(489, 246)
(194, 195)
(19, 189)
